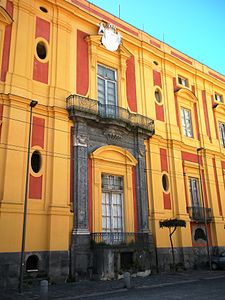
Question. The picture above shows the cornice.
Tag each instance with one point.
(137, 38)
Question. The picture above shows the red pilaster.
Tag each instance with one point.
(131, 84)
(165, 168)
(205, 108)
(217, 186)
(1, 117)
(82, 64)
(7, 43)
(37, 139)
(40, 69)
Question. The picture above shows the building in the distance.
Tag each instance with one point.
(127, 132)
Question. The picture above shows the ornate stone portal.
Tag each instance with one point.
(90, 133)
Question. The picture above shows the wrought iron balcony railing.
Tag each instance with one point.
(76, 103)
(120, 240)
(200, 214)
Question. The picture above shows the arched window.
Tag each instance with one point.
(199, 234)
(32, 263)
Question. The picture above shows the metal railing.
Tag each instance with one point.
(120, 240)
(200, 214)
(76, 103)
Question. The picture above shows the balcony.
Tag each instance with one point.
(200, 214)
(90, 108)
(118, 240)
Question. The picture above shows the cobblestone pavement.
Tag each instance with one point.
(82, 289)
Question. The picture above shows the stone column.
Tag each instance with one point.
(149, 259)
(141, 184)
(80, 246)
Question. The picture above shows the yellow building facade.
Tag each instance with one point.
(127, 132)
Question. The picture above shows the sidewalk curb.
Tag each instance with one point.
(92, 294)
(166, 284)
(95, 289)
(138, 287)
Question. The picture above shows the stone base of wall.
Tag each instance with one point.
(185, 258)
(81, 261)
(59, 266)
(53, 266)
(9, 269)
(110, 263)
(105, 263)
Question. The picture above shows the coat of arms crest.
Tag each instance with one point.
(111, 39)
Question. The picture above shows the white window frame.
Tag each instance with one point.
(158, 96)
(108, 108)
(222, 133)
(194, 191)
(183, 81)
(218, 97)
(187, 122)
(112, 210)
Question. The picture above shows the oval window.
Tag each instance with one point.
(165, 182)
(42, 8)
(36, 161)
(158, 96)
(41, 50)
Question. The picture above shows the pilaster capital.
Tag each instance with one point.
(81, 140)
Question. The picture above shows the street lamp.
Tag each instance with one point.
(204, 212)
(33, 103)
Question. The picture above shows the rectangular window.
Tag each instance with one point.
(107, 91)
(218, 97)
(112, 208)
(222, 133)
(194, 191)
(183, 81)
(186, 122)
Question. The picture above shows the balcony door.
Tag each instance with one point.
(197, 210)
(194, 192)
(107, 92)
(112, 208)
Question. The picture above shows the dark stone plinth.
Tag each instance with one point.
(80, 254)
(58, 266)
(186, 258)
(53, 265)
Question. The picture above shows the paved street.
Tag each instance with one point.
(194, 285)
(191, 289)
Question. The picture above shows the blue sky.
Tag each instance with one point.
(194, 27)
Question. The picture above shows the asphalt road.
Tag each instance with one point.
(196, 289)
(190, 284)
